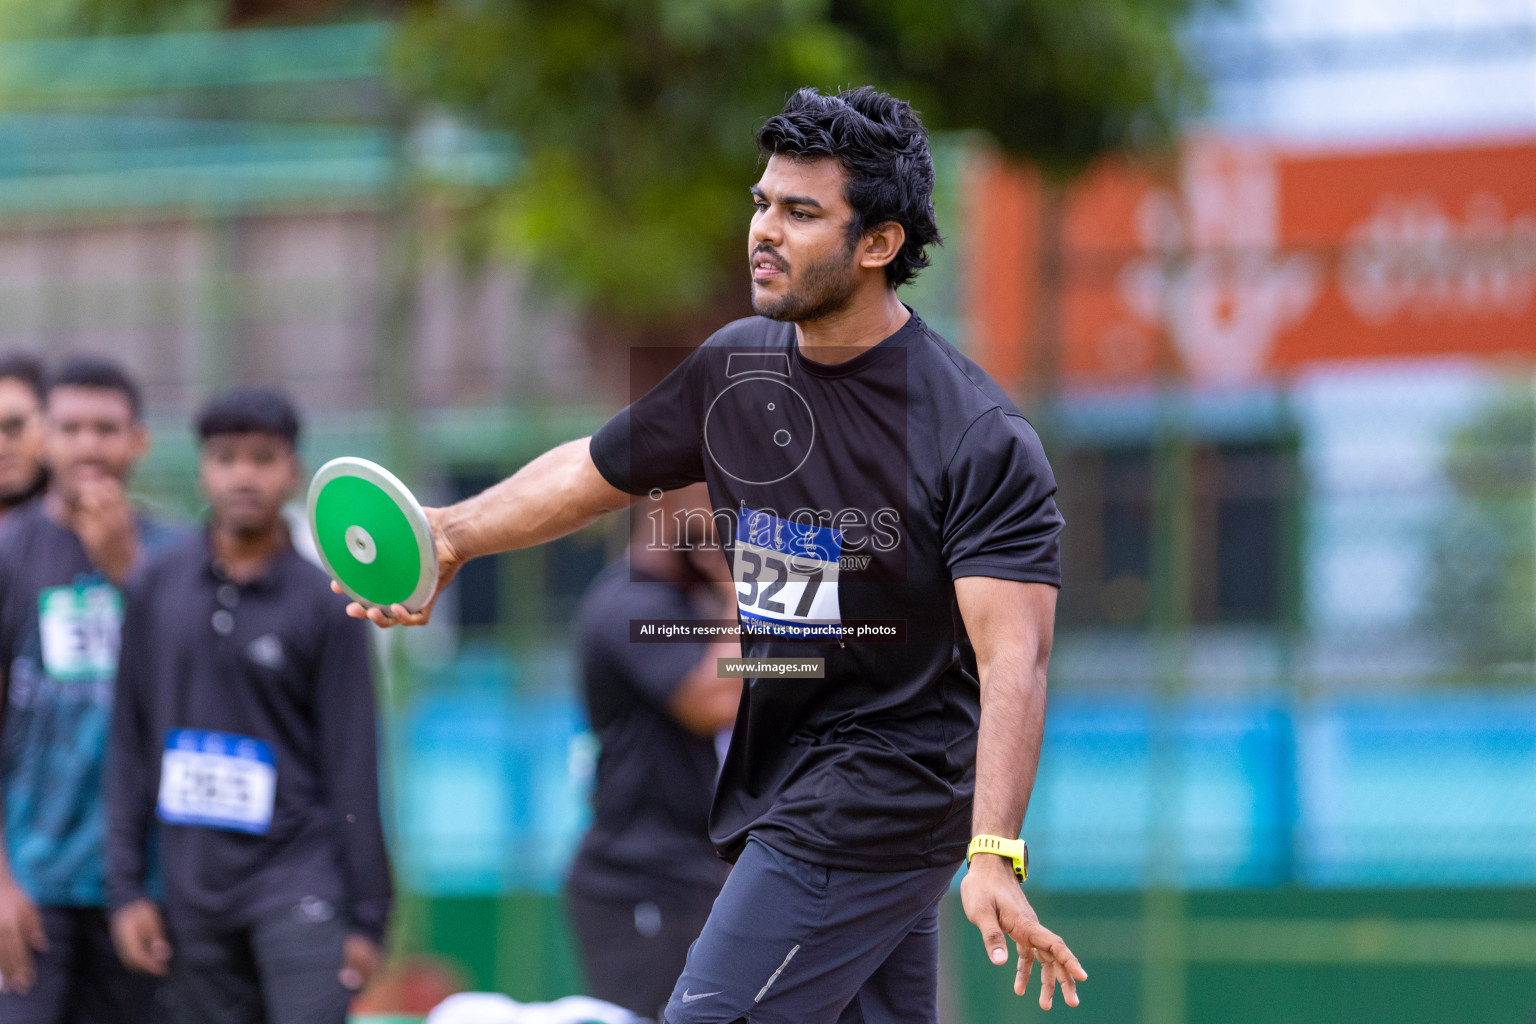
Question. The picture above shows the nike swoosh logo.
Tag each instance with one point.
(687, 998)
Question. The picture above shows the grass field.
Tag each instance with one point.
(1290, 956)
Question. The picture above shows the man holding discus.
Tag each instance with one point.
(875, 478)
(245, 729)
(63, 559)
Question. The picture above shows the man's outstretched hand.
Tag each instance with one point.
(448, 565)
(995, 903)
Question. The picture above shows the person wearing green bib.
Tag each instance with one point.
(63, 559)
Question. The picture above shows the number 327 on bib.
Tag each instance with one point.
(786, 576)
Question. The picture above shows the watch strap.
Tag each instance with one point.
(1015, 850)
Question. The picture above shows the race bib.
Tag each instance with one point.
(81, 629)
(786, 576)
(217, 780)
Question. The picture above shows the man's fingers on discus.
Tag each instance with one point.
(381, 617)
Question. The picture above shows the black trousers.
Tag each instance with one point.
(281, 970)
(80, 980)
(791, 942)
(633, 951)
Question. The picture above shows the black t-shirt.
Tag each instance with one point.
(650, 807)
(860, 492)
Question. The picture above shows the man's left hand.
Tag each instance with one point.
(360, 959)
(104, 521)
(995, 903)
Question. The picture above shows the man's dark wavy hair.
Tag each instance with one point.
(249, 410)
(882, 146)
(95, 373)
(25, 368)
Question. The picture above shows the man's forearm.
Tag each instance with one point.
(557, 493)
(1008, 745)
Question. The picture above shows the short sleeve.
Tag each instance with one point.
(1001, 518)
(658, 440)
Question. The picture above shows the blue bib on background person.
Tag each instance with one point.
(217, 780)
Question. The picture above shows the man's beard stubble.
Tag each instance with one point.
(826, 288)
(21, 495)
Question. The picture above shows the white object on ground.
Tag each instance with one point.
(494, 1008)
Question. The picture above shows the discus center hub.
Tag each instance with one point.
(360, 543)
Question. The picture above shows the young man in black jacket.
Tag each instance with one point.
(245, 727)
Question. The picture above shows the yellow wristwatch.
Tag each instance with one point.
(1016, 850)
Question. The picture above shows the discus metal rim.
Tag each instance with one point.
(391, 485)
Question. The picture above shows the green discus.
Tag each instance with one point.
(372, 534)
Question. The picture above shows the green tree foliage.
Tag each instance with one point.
(1479, 595)
(635, 117)
(633, 120)
(175, 15)
(1054, 82)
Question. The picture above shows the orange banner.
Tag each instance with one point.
(1244, 261)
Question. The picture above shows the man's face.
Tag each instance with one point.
(90, 433)
(21, 438)
(246, 479)
(803, 261)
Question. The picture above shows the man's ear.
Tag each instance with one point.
(881, 244)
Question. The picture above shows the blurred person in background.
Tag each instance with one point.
(642, 883)
(22, 476)
(63, 559)
(246, 723)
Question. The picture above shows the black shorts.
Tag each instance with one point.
(790, 942)
(632, 951)
(80, 980)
